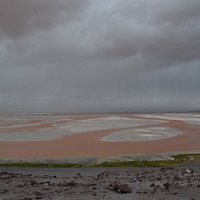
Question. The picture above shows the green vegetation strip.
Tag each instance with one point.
(177, 160)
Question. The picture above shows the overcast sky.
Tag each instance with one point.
(78, 56)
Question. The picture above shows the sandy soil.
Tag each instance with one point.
(90, 144)
(137, 184)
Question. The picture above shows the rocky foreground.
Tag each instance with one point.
(136, 184)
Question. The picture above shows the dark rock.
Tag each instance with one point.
(120, 188)
(38, 193)
(67, 184)
(3, 191)
(162, 169)
(2, 173)
(91, 184)
(29, 175)
(152, 185)
(94, 188)
(33, 182)
(71, 184)
(176, 178)
(21, 185)
(38, 197)
(166, 186)
(158, 178)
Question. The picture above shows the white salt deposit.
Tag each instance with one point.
(193, 119)
(68, 127)
(114, 122)
(144, 134)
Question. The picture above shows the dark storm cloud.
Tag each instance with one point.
(22, 16)
(103, 55)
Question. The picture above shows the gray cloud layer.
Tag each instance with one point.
(99, 56)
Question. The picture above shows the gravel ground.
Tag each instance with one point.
(122, 184)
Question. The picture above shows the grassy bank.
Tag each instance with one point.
(177, 160)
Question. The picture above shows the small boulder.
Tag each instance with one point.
(120, 188)
(166, 186)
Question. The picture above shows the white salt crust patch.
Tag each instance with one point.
(193, 119)
(114, 122)
(143, 134)
(79, 126)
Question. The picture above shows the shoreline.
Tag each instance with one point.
(173, 160)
